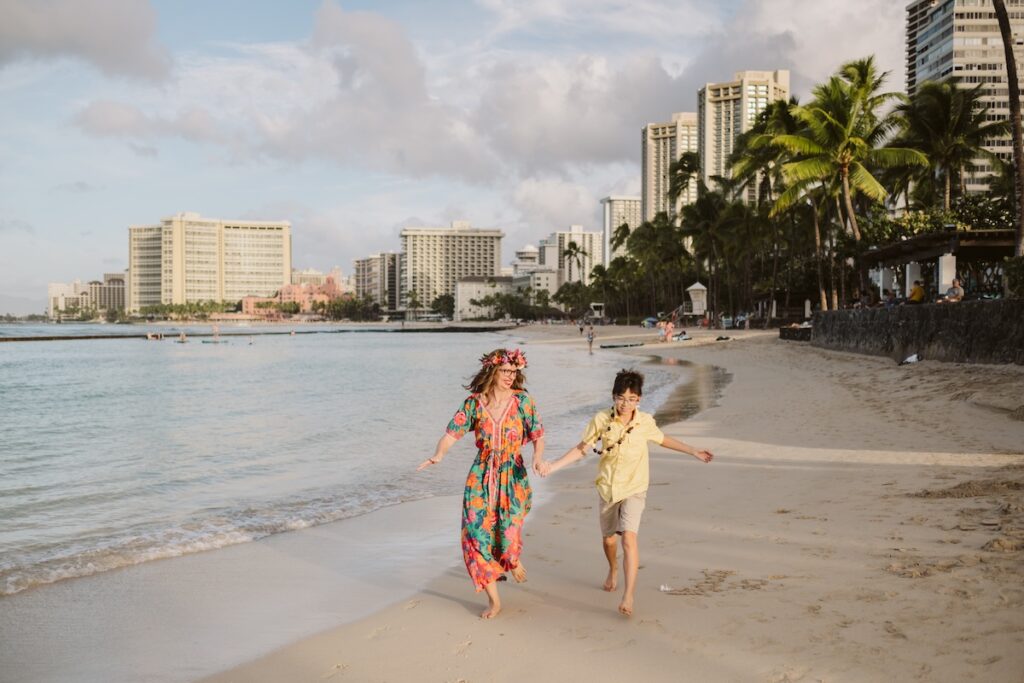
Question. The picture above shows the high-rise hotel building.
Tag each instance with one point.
(434, 259)
(616, 211)
(189, 258)
(377, 278)
(960, 39)
(663, 144)
(553, 257)
(727, 110)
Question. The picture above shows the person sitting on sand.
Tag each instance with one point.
(497, 496)
(623, 474)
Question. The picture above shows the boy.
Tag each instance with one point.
(623, 474)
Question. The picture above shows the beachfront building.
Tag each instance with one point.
(527, 259)
(960, 40)
(305, 295)
(66, 298)
(527, 285)
(108, 294)
(663, 145)
(475, 289)
(377, 278)
(617, 211)
(553, 257)
(727, 110)
(70, 299)
(435, 259)
(189, 258)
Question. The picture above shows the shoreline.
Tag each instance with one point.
(273, 615)
(806, 551)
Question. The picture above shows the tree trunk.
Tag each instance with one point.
(1018, 146)
(771, 295)
(818, 258)
(945, 192)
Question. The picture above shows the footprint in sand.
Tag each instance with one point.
(335, 670)
(894, 631)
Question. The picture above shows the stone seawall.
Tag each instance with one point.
(966, 332)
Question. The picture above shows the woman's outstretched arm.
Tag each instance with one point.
(443, 444)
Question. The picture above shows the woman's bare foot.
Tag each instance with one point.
(626, 606)
(609, 583)
(493, 609)
(519, 573)
(494, 602)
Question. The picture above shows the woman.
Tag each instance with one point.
(497, 497)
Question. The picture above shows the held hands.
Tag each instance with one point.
(542, 467)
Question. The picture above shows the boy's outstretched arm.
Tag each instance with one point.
(676, 445)
(571, 456)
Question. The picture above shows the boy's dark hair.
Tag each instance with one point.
(628, 380)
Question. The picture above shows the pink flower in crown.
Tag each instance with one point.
(460, 418)
(517, 358)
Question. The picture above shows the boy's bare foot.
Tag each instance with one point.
(519, 573)
(626, 606)
(609, 583)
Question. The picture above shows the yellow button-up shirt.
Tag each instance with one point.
(624, 470)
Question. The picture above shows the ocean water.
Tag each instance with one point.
(118, 452)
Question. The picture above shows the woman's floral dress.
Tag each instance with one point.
(498, 491)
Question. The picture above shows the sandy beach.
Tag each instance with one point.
(862, 521)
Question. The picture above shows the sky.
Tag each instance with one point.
(355, 119)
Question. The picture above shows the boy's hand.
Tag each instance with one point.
(704, 456)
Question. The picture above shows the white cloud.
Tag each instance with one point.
(105, 118)
(553, 204)
(116, 36)
(647, 18)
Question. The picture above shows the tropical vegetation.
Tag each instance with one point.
(812, 188)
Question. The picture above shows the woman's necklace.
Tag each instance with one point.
(609, 428)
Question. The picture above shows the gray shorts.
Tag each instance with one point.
(622, 516)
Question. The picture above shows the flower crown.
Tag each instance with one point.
(515, 358)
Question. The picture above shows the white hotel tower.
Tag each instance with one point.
(727, 110)
(434, 259)
(663, 145)
(189, 258)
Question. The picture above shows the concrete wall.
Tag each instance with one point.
(965, 332)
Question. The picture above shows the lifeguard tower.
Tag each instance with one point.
(698, 294)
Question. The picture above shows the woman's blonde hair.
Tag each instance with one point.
(483, 381)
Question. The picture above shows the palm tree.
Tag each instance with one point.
(948, 125)
(1018, 145)
(842, 139)
(840, 142)
(680, 175)
(574, 253)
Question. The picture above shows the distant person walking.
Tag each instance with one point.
(497, 496)
(590, 338)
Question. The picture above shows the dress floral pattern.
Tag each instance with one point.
(498, 494)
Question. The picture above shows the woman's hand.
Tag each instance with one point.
(541, 467)
(434, 460)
